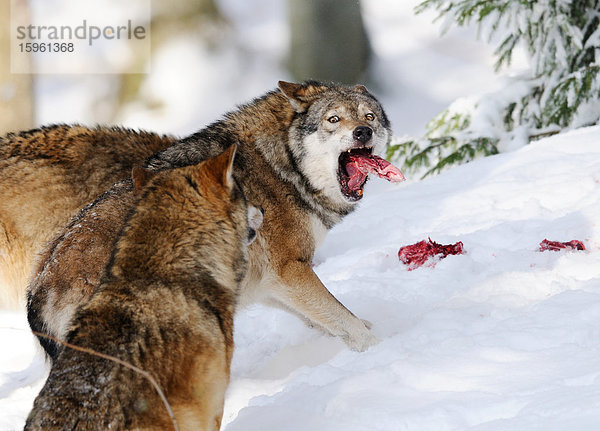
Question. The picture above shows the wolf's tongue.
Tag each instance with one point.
(359, 165)
(356, 176)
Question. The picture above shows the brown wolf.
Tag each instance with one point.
(46, 176)
(294, 150)
(165, 305)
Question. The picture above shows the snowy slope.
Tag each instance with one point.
(503, 337)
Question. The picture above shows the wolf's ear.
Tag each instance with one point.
(140, 177)
(300, 95)
(221, 167)
(360, 89)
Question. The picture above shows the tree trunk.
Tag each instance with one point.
(328, 41)
(16, 90)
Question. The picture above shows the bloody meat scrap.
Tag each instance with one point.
(416, 255)
(371, 164)
(557, 245)
(356, 165)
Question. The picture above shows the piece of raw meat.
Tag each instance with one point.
(356, 165)
(557, 245)
(371, 164)
(416, 255)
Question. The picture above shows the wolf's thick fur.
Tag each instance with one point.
(46, 176)
(70, 267)
(289, 143)
(165, 305)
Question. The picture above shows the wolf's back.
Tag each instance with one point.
(46, 175)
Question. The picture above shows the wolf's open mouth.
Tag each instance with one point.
(354, 167)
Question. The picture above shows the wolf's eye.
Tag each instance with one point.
(333, 119)
(370, 117)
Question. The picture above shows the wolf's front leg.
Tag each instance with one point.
(302, 291)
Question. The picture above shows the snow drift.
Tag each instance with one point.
(503, 337)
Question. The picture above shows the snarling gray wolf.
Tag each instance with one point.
(297, 155)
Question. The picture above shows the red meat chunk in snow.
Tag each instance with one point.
(557, 245)
(416, 255)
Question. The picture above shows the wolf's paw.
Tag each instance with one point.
(362, 343)
(361, 338)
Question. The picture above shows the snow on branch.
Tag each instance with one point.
(560, 91)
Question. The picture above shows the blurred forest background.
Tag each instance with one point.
(327, 37)
(209, 55)
(442, 87)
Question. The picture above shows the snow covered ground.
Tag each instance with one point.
(502, 337)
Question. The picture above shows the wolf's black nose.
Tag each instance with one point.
(363, 134)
